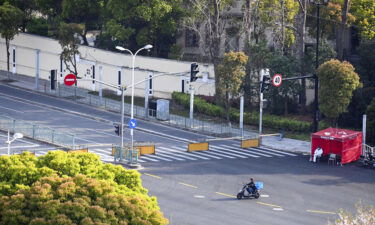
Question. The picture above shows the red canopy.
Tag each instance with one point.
(342, 142)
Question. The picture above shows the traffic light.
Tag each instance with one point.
(193, 72)
(117, 129)
(265, 83)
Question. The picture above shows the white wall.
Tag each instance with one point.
(111, 62)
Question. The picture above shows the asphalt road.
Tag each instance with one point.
(200, 188)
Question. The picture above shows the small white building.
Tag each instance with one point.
(33, 55)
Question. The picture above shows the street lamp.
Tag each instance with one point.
(15, 136)
(318, 3)
(132, 98)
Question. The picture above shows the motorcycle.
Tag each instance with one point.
(244, 193)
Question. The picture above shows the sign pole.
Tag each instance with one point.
(241, 114)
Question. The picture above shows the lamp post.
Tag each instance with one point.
(15, 136)
(132, 98)
(318, 3)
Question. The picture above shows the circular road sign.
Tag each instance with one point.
(70, 79)
(277, 80)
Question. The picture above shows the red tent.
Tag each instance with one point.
(342, 142)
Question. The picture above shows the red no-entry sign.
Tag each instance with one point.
(70, 79)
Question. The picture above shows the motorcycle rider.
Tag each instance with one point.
(251, 186)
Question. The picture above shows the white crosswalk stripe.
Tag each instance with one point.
(237, 151)
(180, 153)
(203, 154)
(260, 152)
(273, 150)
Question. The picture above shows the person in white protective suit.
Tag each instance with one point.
(318, 153)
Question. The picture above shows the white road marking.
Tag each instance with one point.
(216, 149)
(237, 151)
(171, 151)
(11, 109)
(282, 152)
(204, 154)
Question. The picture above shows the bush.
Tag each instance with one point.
(276, 122)
(20, 171)
(78, 200)
(365, 216)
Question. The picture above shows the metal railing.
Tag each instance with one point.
(37, 132)
(83, 96)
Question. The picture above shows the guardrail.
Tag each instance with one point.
(83, 96)
(37, 132)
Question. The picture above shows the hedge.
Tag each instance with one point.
(251, 118)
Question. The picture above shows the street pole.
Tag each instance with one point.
(132, 97)
(8, 142)
(122, 116)
(241, 114)
(316, 106)
(260, 104)
(191, 114)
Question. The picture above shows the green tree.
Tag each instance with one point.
(285, 95)
(10, 21)
(69, 41)
(78, 200)
(142, 22)
(370, 112)
(231, 72)
(337, 81)
(363, 10)
(20, 171)
(87, 12)
(279, 16)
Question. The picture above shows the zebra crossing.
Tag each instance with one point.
(179, 153)
(216, 152)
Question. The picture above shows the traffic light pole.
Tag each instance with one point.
(260, 104)
(122, 116)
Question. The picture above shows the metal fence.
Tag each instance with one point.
(37, 132)
(83, 96)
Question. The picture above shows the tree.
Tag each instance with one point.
(142, 22)
(78, 200)
(279, 15)
(231, 72)
(281, 97)
(10, 21)
(370, 112)
(21, 171)
(338, 80)
(69, 41)
(365, 216)
(87, 12)
(363, 10)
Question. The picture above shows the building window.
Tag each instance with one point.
(150, 91)
(119, 78)
(61, 67)
(93, 74)
(191, 39)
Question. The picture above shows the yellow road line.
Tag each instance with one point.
(323, 212)
(189, 185)
(219, 193)
(275, 206)
(152, 175)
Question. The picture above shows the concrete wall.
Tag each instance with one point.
(104, 65)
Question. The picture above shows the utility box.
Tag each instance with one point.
(162, 109)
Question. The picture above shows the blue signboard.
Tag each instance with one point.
(132, 123)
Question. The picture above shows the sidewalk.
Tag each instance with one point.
(271, 142)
